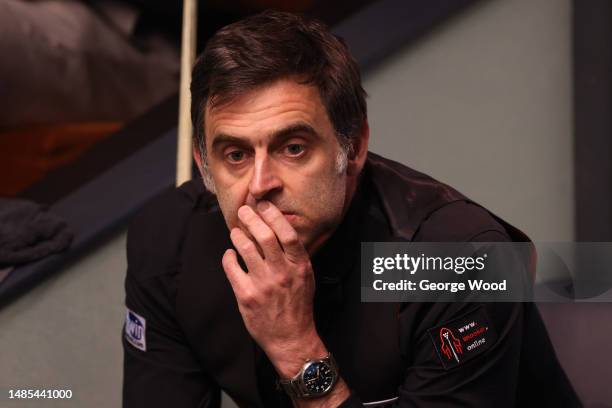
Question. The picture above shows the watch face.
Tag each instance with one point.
(318, 378)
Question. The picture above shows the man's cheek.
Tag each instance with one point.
(229, 206)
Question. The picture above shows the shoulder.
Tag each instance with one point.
(156, 232)
(421, 208)
(461, 221)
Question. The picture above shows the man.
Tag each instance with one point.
(253, 284)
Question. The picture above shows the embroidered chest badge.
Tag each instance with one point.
(135, 330)
(462, 339)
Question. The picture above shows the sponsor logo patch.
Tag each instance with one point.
(462, 339)
(135, 330)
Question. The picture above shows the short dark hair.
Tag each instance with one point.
(273, 45)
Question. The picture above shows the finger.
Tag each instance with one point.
(247, 250)
(287, 235)
(235, 275)
(263, 234)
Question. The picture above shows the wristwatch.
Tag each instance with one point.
(316, 379)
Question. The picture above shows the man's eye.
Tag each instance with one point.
(295, 149)
(235, 156)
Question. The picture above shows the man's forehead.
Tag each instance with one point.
(266, 110)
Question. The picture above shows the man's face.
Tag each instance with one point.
(277, 143)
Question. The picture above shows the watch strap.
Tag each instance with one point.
(294, 387)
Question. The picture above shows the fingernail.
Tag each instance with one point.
(243, 211)
(263, 205)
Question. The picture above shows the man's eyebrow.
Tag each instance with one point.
(222, 138)
(290, 130)
(276, 137)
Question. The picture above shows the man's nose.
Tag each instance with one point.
(264, 178)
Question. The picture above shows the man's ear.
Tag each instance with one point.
(206, 177)
(197, 157)
(359, 151)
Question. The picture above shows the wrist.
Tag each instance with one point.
(316, 380)
(289, 358)
(339, 395)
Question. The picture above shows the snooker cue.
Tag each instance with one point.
(184, 133)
